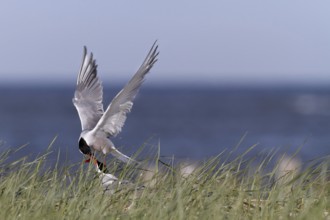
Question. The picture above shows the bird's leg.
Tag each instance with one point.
(91, 157)
(104, 159)
(94, 160)
(104, 162)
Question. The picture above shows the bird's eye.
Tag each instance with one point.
(83, 147)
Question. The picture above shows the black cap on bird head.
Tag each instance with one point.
(102, 167)
(84, 148)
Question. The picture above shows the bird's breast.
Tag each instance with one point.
(98, 143)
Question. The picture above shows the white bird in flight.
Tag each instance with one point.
(99, 125)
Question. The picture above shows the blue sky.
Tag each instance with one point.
(217, 42)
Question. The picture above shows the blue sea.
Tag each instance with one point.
(192, 123)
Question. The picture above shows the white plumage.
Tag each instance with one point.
(99, 125)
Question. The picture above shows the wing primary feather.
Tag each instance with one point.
(88, 95)
(82, 64)
(114, 117)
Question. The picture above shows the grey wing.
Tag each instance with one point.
(114, 117)
(88, 95)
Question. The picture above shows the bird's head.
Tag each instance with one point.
(84, 148)
(101, 167)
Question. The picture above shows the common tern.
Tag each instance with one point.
(99, 125)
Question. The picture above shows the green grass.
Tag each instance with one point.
(242, 188)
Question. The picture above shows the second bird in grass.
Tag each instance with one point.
(99, 125)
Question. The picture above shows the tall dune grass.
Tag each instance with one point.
(215, 189)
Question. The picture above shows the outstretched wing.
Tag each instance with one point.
(114, 117)
(88, 95)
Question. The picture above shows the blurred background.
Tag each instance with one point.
(229, 72)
